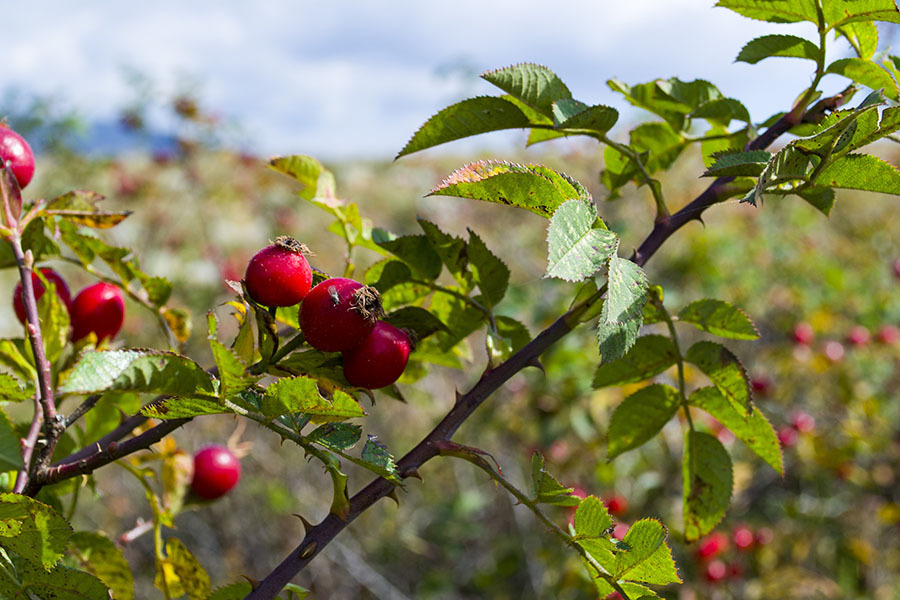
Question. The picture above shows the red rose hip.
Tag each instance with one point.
(380, 360)
(62, 290)
(216, 471)
(98, 308)
(279, 275)
(339, 314)
(16, 151)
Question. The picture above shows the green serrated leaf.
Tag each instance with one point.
(465, 119)
(777, 45)
(577, 246)
(722, 111)
(867, 73)
(418, 320)
(183, 408)
(35, 239)
(316, 180)
(643, 539)
(301, 394)
(532, 187)
(460, 318)
(60, 583)
(754, 430)
(861, 172)
(54, 318)
(725, 371)
(641, 416)
(592, 119)
(32, 530)
(837, 14)
(546, 488)
(592, 518)
(415, 251)
(10, 449)
(11, 390)
(622, 313)
(336, 436)
(13, 357)
(729, 164)
(452, 250)
(657, 569)
(533, 84)
(99, 556)
(234, 591)
(491, 274)
(190, 573)
(148, 371)
(650, 356)
(863, 36)
(232, 372)
(377, 458)
(820, 198)
(708, 482)
(774, 11)
(719, 318)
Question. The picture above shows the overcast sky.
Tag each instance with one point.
(340, 78)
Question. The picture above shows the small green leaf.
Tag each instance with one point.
(99, 556)
(643, 539)
(418, 320)
(719, 318)
(535, 85)
(708, 483)
(459, 316)
(861, 172)
(658, 569)
(773, 11)
(60, 583)
(650, 356)
(577, 245)
(191, 574)
(12, 356)
(301, 394)
(532, 187)
(415, 251)
(546, 488)
(377, 458)
(491, 274)
(35, 239)
(822, 198)
(11, 389)
(183, 408)
(722, 111)
(640, 417)
(32, 529)
(336, 436)
(452, 250)
(316, 180)
(465, 119)
(729, 164)
(863, 36)
(622, 313)
(10, 449)
(592, 519)
(867, 73)
(777, 45)
(754, 430)
(233, 591)
(595, 119)
(147, 371)
(232, 372)
(725, 371)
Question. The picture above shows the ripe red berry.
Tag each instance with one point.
(897, 267)
(764, 536)
(17, 153)
(743, 537)
(98, 308)
(889, 334)
(216, 471)
(380, 359)
(716, 571)
(804, 334)
(62, 290)
(834, 351)
(712, 545)
(787, 436)
(339, 314)
(859, 336)
(803, 421)
(279, 275)
(762, 385)
(617, 505)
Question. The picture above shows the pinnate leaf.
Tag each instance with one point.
(640, 417)
(532, 187)
(725, 371)
(546, 488)
(577, 245)
(708, 483)
(533, 84)
(650, 356)
(147, 371)
(465, 119)
(719, 318)
(777, 45)
(102, 558)
(32, 530)
(301, 394)
(754, 430)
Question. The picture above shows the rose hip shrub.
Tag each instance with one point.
(781, 263)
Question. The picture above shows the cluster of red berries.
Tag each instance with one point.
(804, 336)
(713, 548)
(337, 315)
(97, 309)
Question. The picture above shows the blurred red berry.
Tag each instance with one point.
(620, 530)
(764, 536)
(897, 268)
(735, 570)
(834, 351)
(712, 545)
(616, 504)
(804, 334)
(889, 334)
(614, 596)
(743, 537)
(859, 336)
(716, 571)
(761, 384)
(787, 436)
(803, 421)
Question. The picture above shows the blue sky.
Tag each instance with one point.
(341, 78)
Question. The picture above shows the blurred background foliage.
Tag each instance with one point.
(827, 529)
